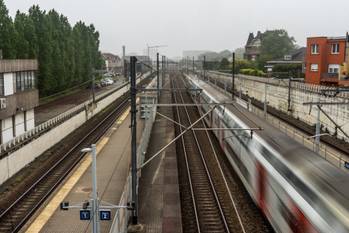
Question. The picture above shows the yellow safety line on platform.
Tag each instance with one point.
(123, 116)
(59, 197)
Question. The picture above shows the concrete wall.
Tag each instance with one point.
(6, 129)
(277, 97)
(30, 119)
(14, 162)
(19, 122)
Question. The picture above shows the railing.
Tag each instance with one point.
(44, 127)
(329, 77)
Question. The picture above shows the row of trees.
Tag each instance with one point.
(67, 54)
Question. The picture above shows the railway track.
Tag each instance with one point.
(207, 203)
(14, 217)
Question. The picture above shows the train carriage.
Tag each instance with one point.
(297, 190)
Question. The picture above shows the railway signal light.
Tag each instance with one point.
(85, 205)
(64, 205)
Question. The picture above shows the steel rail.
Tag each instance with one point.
(208, 173)
(187, 166)
(221, 170)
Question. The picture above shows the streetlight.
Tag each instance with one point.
(95, 222)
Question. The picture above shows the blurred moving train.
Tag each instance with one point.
(295, 188)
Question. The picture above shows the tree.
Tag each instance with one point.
(26, 40)
(275, 44)
(224, 64)
(67, 55)
(7, 33)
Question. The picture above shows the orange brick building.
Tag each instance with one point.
(324, 57)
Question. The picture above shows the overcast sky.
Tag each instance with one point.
(196, 24)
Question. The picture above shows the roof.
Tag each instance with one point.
(110, 56)
(15, 65)
(252, 39)
(299, 54)
(297, 57)
(328, 38)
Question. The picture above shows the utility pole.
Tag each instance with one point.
(133, 61)
(187, 64)
(124, 62)
(162, 70)
(95, 209)
(233, 76)
(289, 95)
(193, 64)
(93, 89)
(204, 66)
(318, 128)
(157, 76)
(265, 99)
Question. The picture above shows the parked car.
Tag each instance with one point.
(107, 81)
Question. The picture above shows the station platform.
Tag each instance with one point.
(159, 196)
(51, 109)
(113, 163)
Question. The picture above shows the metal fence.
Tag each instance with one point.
(277, 98)
(329, 154)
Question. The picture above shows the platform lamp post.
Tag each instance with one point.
(95, 209)
(133, 61)
(157, 76)
(204, 66)
(162, 70)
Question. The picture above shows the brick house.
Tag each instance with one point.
(324, 58)
(253, 46)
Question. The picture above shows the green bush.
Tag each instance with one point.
(252, 72)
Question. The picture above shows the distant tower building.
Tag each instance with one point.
(253, 46)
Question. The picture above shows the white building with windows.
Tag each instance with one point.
(18, 97)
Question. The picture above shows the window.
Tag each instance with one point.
(2, 90)
(287, 57)
(22, 81)
(18, 81)
(335, 49)
(333, 68)
(314, 49)
(25, 80)
(314, 67)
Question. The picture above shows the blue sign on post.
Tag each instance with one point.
(346, 165)
(85, 214)
(105, 215)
